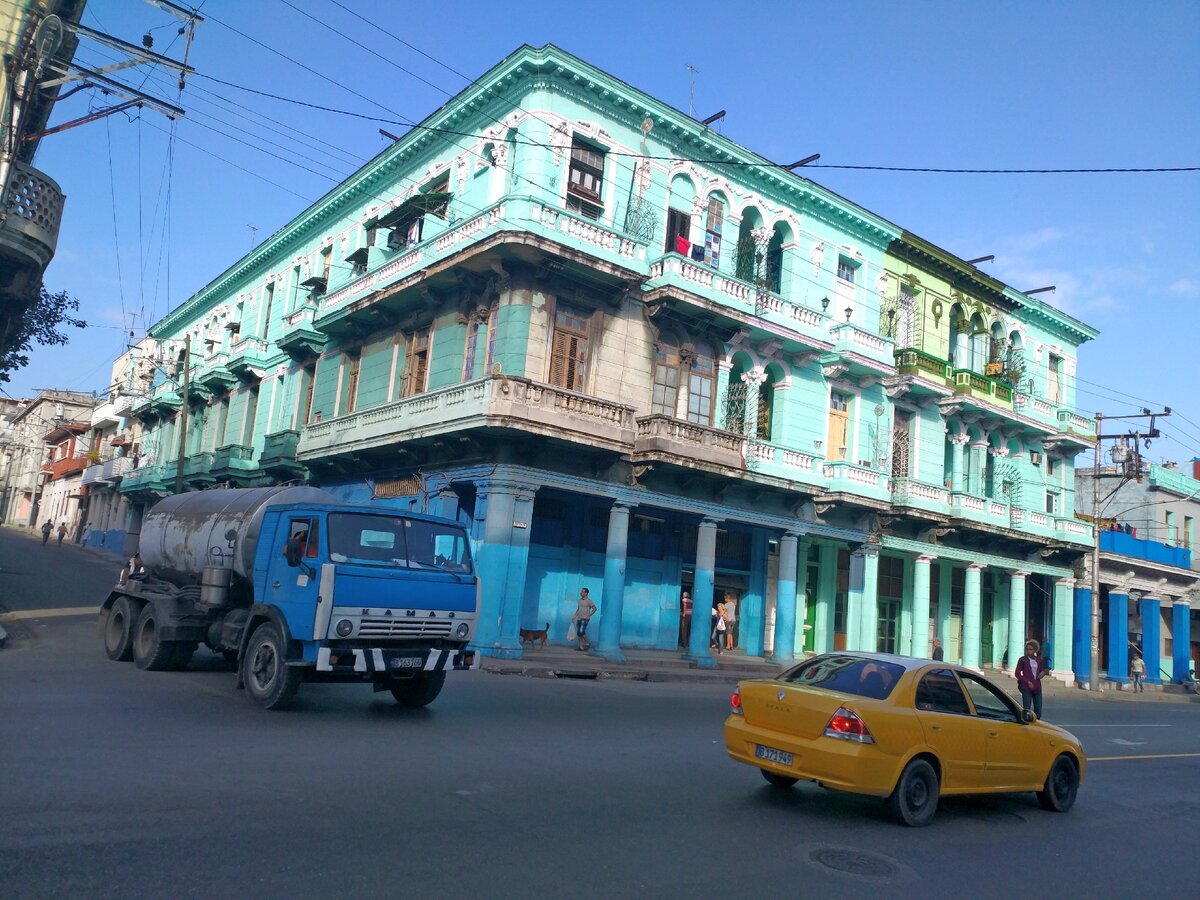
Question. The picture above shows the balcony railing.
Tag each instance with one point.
(910, 492)
(1073, 422)
(912, 361)
(1151, 551)
(842, 475)
(61, 468)
(687, 443)
(35, 204)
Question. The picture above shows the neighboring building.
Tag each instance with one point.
(116, 449)
(629, 370)
(36, 37)
(49, 452)
(1148, 571)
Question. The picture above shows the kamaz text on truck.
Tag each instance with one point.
(293, 586)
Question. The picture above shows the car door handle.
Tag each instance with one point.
(935, 727)
(275, 584)
(993, 733)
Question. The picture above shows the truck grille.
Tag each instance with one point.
(379, 626)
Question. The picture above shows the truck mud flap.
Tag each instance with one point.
(395, 662)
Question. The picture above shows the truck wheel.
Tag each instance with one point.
(150, 651)
(270, 682)
(118, 630)
(182, 656)
(419, 691)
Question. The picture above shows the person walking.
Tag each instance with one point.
(685, 619)
(62, 533)
(730, 616)
(1030, 671)
(47, 527)
(584, 610)
(938, 653)
(717, 637)
(1137, 671)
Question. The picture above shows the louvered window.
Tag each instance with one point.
(353, 366)
(585, 180)
(568, 353)
(416, 363)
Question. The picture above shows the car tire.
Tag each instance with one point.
(150, 652)
(783, 782)
(915, 799)
(1062, 784)
(118, 629)
(420, 691)
(270, 682)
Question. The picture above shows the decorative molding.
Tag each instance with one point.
(835, 370)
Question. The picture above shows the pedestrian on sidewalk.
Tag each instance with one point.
(47, 527)
(1137, 671)
(685, 619)
(730, 615)
(938, 653)
(62, 533)
(83, 538)
(584, 610)
(1030, 671)
(717, 638)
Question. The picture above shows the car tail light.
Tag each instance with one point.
(735, 702)
(847, 726)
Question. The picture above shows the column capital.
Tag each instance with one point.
(976, 567)
(1181, 601)
(926, 558)
(710, 522)
(1154, 598)
(625, 505)
(790, 536)
(1019, 573)
(1066, 582)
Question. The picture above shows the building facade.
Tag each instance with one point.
(47, 453)
(1148, 577)
(633, 356)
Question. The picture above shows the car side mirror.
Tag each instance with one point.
(1028, 716)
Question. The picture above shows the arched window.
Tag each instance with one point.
(978, 336)
(766, 408)
(958, 340)
(701, 386)
(684, 380)
(666, 377)
(679, 216)
(750, 256)
(714, 223)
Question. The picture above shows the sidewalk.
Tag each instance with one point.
(732, 667)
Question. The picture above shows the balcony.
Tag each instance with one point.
(975, 385)
(674, 441)
(105, 414)
(908, 492)
(215, 375)
(920, 364)
(198, 470)
(149, 481)
(775, 460)
(499, 402)
(92, 475)
(278, 457)
(1080, 426)
(844, 477)
(235, 462)
(109, 470)
(248, 358)
(867, 353)
(164, 401)
(1123, 544)
(63, 468)
(28, 232)
(300, 338)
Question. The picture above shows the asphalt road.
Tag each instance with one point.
(121, 783)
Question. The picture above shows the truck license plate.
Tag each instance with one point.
(772, 755)
(406, 662)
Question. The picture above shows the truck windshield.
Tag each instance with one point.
(397, 541)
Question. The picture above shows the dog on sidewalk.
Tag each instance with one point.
(533, 635)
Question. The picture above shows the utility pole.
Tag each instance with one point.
(1130, 462)
(183, 413)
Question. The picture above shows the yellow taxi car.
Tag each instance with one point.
(907, 729)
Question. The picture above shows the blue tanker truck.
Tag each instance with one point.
(294, 586)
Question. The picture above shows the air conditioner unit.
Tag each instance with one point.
(1035, 457)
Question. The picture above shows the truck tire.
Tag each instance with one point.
(183, 655)
(419, 691)
(269, 681)
(150, 651)
(118, 630)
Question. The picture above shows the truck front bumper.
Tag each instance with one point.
(394, 662)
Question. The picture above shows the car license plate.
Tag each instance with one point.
(772, 755)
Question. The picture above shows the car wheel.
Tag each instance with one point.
(150, 651)
(1062, 784)
(419, 691)
(915, 799)
(783, 782)
(118, 630)
(270, 681)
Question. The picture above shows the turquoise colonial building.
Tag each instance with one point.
(634, 356)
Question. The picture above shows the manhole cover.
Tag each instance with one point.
(853, 862)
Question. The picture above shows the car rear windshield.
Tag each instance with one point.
(856, 675)
(398, 541)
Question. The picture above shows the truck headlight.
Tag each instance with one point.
(462, 629)
(344, 627)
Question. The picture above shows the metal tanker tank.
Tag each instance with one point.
(186, 533)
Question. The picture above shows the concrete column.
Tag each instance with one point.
(702, 591)
(752, 606)
(999, 628)
(1151, 609)
(1063, 616)
(906, 609)
(920, 630)
(1016, 618)
(956, 464)
(862, 609)
(803, 599)
(1118, 637)
(612, 601)
(502, 562)
(1081, 635)
(971, 617)
(827, 563)
(945, 590)
(785, 602)
(1181, 638)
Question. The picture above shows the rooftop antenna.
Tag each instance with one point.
(692, 72)
(253, 235)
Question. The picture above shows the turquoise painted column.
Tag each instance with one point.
(752, 606)
(1118, 637)
(957, 445)
(971, 617)
(1181, 624)
(612, 603)
(1081, 636)
(702, 591)
(518, 568)
(1016, 618)
(999, 629)
(803, 598)
(785, 602)
(920, 630)
(862, 604)
(1151, 610)
(945, 592)
(823, 621)
(906, 609)
(1063, 625)
(502, 556)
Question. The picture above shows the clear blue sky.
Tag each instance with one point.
(987, 85)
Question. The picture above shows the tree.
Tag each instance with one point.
(40, 324)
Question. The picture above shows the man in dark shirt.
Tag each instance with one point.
(938, 653)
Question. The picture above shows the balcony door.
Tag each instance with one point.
(902, 443)
(838, 435)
